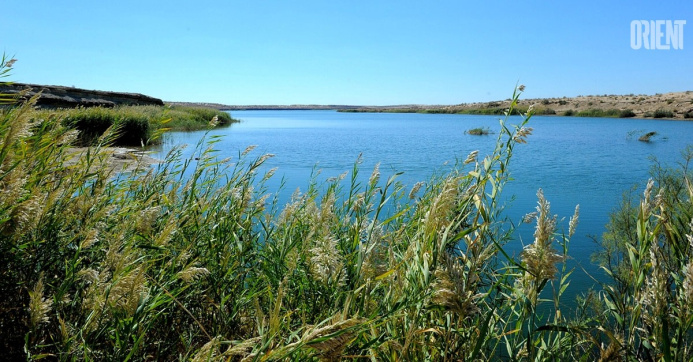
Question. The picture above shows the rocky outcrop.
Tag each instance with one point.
(68, 97)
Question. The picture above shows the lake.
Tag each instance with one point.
(586, 161)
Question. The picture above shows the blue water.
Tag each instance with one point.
(586, 161)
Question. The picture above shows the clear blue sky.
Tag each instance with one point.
(344, 52)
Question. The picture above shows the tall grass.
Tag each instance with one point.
(156, 265)
(663, 113)
(599, 113)
(647, 254)
(137, 124)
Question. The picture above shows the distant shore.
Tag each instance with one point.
(227, 107)
(675, 105)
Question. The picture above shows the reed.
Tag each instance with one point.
(663, 113)
(137, 124)
(646, 253)
(600, 113)
(194, 260)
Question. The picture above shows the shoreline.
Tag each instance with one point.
(119, 159)
(675, 106)
(672, 105)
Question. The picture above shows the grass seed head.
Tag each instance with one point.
(522, 134)
(452, 290)
(327, 262)
(573, 221)
(331, 349)
(39, 305)
(90, 238)
(472, 157)
(191, 274)
(375, 175)
(687, 287)
(443, 204)
(539, 257)
(415, 190)
(248, 150)
(208, 352)
(655, 293)
(214, 122)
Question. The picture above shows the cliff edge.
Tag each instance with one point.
(69, 97)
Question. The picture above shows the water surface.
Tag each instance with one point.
(586, 161)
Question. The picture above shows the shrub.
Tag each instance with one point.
(663, 113)
(478, 131)
(138, 124)
(647, 136)
(626, 113)
(93, 122)
(494, 111)
(569, 113)
(599, 113)
(547, 111)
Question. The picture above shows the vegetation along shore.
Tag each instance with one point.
(194, 260)
(675, 105)
(140, 119)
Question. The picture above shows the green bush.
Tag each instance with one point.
(478, 131)
(92, 122)
(663, 113)
(544, 111)
(647, 136)
(599, 113)
(137, 124)
(626, 113)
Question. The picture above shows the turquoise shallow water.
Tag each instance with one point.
(586, 161)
